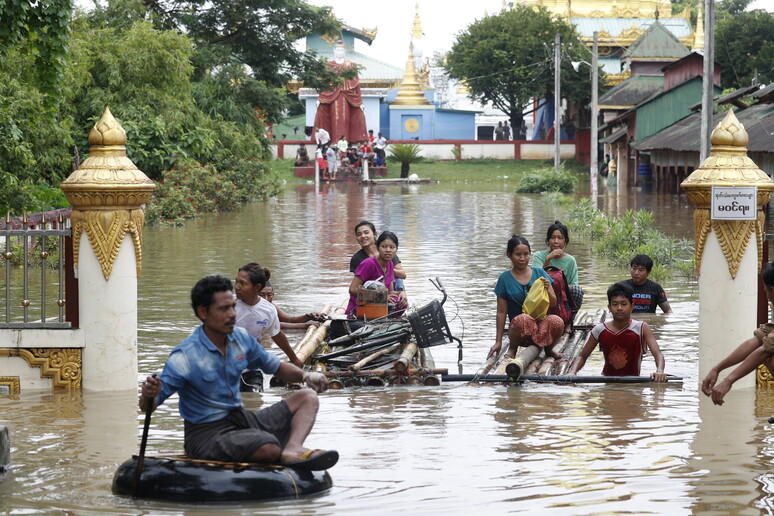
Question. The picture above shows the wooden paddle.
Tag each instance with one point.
(143, 442)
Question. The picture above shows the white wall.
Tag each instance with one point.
(470, 150)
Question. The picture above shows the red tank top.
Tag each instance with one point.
(623, 349)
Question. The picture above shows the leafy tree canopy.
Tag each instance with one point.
(744, 44)
(44, 27)
(261, 34)
(507, 59)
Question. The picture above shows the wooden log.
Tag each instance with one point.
(315, 341)
(403, 363)
(311, 330)
(563, 365)
(432, 380)
(373, 356)
(518, 364)
(489, 364)
(578, 342)
(533, 367)
(383, 372)
(580, 327)
(426, 358)
(559, 347)
(546, 366)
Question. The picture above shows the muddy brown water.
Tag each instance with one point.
(453, 449)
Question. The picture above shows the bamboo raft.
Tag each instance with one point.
(379, 353)
(531, 361)
(531, 364)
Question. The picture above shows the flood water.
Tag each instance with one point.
(453, 449)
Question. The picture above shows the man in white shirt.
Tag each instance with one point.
(256, 315)
(321, 136)
(380, 145)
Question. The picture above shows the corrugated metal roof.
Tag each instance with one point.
(741, 92)
(680, 27)
(633, 90)
(683, 136)
(656, 42)
(764, 92)
(617, 135)
(370, 69)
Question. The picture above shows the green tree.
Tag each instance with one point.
(507, 59)
(260, 34)
(744, 44)
(43, 27)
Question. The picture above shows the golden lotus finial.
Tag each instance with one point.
(730, 132)
(107, 193)
(107, 131)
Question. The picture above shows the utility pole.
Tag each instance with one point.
(557, 100)
(594, 157)
(708, 82)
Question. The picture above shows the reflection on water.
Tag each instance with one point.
(547, 449)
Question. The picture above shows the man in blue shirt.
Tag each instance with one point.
(205, 371)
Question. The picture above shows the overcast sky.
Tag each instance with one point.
(441, 21)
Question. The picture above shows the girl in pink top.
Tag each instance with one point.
(379, 267)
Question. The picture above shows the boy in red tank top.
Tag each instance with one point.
(623, 341)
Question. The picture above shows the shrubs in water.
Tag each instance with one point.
(547, 180)
(620, 238)
(190, 188)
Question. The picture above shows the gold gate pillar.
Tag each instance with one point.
(107, 193)
(728, 252)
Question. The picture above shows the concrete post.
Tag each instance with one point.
(728, 260)
(107, 193)
(5, 449)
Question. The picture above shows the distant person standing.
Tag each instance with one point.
(342, 145)
(333, 162)
(506, 131)
(603, 170)
(523, 130)
(321, 136)
(318, 155)
(647, 293)
(380, 149)
(498, 132)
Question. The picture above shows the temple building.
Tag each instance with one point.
(401, 104)
(619, 23)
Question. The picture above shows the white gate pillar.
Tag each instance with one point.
(106, 193)
(728, 252)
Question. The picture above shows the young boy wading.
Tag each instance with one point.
(205, 371)
(757, 350)
(623, 341)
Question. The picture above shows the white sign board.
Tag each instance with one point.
(734, 202)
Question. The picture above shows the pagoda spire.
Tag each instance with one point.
(409, 93)
(416, 30)
(698, 36)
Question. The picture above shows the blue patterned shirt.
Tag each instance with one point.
(207, 380)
